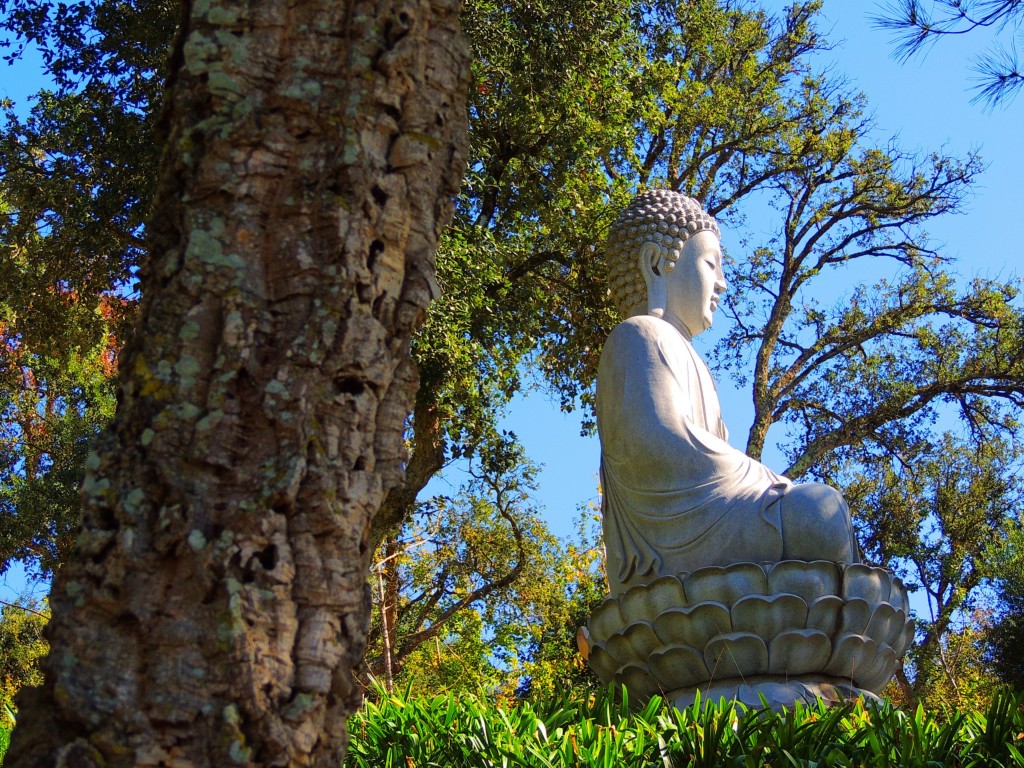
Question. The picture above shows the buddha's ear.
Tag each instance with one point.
(652, 268)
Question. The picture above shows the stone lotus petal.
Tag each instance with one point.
(602, 663)
(606, 620)
(904, 640)
(896, 628)
(736, 654)
(852, 655)
(694, 625)
(725, 584)
(870, 584)
(664, 594)
(767, 616)
(798, 652)
(778, 644)
(638, 604)
(876, 666)
(885, 622)
(876, 677)
(823, 613)
(854, 617)
(638, 681)
(898, 596)
(679, 666)
(634, 643)
(805, 580)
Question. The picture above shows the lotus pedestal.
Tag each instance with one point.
(788, 631)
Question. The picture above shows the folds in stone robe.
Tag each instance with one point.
(676, 495)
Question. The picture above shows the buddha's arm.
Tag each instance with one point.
(647, 396)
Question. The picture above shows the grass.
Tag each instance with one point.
(401, 731)
(404, 731)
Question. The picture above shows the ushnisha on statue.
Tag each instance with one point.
(725, 577)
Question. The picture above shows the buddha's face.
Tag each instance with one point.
(694, 284)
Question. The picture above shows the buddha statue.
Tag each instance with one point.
(726, 578)
(676, 495)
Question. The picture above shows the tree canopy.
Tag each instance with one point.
(944, 516)
(77, 170)
(475, 587)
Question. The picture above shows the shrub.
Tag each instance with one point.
(401, 730)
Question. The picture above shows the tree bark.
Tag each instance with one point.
(426, 459)
(216, 603)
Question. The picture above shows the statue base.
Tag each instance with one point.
(773, 693)
(792, 631)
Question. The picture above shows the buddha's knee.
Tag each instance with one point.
(816, 525)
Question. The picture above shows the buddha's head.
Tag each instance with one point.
(665, 259)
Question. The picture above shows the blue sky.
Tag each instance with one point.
(923, 103)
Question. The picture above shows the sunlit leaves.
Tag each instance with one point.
(78, 168)
(22, 646)
(472, 580)
(881, 365)
(605, 730)
(1006, 638)
(943, 514)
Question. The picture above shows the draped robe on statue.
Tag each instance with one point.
(676, 495)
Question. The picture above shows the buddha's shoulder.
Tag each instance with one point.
(644, 329)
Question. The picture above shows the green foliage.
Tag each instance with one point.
(871, 377)
(76, 172)
(1006, 638)
(467, 590)
(553, 661)
(598, 730)
(22, 646)
(470, 730)
(78, 169)
(58, 352)
(50, 410)
(943, 517)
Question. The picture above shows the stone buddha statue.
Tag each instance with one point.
(677, 496)
(726, 579)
